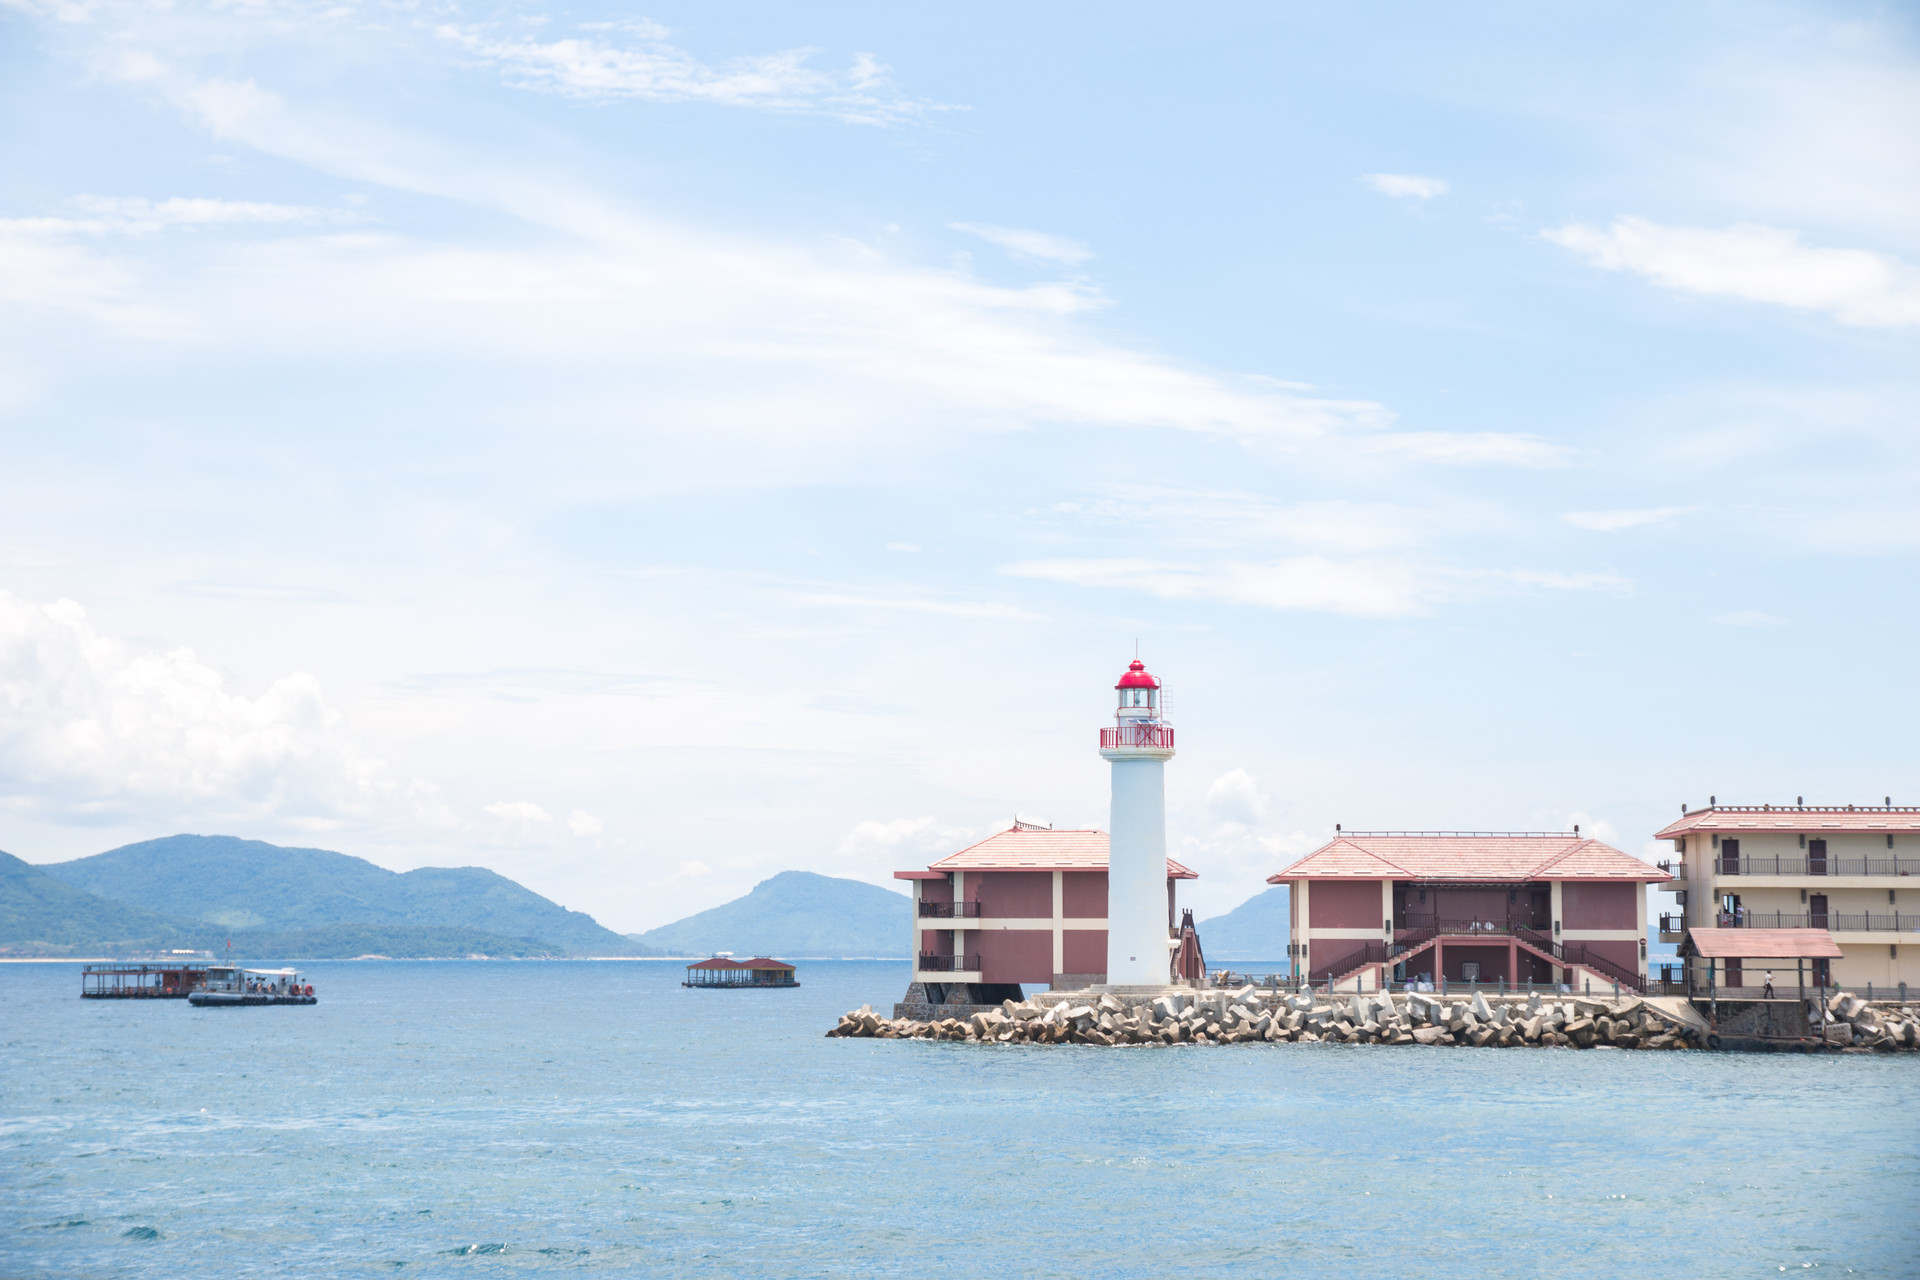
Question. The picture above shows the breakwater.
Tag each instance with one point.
(1249, 1015)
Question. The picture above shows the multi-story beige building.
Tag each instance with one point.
(1853, 870)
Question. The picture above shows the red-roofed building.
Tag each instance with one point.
(1027, 905)
(1517, 907)
(1841, 868)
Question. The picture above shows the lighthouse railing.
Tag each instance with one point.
(1138, 735)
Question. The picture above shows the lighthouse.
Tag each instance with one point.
(1139, 745)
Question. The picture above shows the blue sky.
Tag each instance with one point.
(645, 450)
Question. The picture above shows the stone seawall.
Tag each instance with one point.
(1251, 1015)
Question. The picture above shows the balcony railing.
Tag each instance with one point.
(948, 964)
(1831, 865)
(1832, 921)
(949, 911)
(1449, 926)
(1157, 736)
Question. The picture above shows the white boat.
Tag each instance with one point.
(229, 987)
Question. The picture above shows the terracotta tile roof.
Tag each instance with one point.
(1472, 858)
(1761, 944)
(1794, 818)
(1025, 849)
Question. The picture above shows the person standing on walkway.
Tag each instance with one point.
(1768, 993)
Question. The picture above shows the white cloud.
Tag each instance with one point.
(1405, 186)
(521, 814)
(93, 728)
(1754, 263)
(648, 68)
(1225, 518)
(1472, 448)
(1749, 618)
(1028, 244)
(874, 850)
(1362, 588)
(584, 824)
(1235, 796)
(1614, 521)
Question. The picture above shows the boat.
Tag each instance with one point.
(141, 981)
(726, 972)
(229, 987)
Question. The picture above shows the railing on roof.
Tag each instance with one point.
(1431, 834)
(1831, 865)
(949, 910)
(1806, 808)
(1156, 736)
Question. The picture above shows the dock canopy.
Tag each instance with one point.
(1760, 944)
(724, 971)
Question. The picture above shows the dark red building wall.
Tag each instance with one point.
(1600, 906)
(1083, 895)
(936, 942)
(936, 891)
(1344, 904)
(1322, 952)
(1469, 904)
(1017, 955)
(1493, 963)
(1023, 895)
(1083, 951)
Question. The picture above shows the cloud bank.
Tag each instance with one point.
(1755, 264)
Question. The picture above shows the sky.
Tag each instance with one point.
(641, 450)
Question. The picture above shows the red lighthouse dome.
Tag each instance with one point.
(1137, 677)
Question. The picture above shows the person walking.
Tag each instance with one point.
(1768, 993)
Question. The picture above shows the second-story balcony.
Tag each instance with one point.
(1811, 865)
(949, 911)
(930, 963)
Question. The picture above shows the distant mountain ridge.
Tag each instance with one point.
(249, 885)
(1254, 930)
(795, 915)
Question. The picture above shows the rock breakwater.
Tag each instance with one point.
(1251, 1015)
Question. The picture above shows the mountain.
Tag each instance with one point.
(248, 886)
(1254, 930)
(42, 915)
(394, 941)
(795, 915)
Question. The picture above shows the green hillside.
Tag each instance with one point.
(396, 942)
(795, 915)
(248, 885)
(42, 915)
(1254, 930)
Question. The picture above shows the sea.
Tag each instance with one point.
(495, 1118)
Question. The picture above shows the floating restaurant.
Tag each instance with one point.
(141, 981)
(725, 971)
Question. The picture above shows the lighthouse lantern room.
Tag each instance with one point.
(1139, 745)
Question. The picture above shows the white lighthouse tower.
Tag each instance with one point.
(1139, 745)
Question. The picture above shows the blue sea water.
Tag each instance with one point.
(488, 1119)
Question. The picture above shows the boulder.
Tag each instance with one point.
(1533, 1004)
(1479, 1006)
(1581, 1031)
(1839, 1033)
(1429, 1035)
